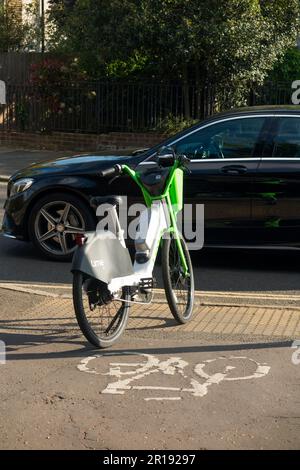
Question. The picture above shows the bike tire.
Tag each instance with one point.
(98, 339)
(181, 301)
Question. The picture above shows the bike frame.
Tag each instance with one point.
(162, 209)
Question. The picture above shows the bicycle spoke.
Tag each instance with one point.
(117, 316)
(106, 317)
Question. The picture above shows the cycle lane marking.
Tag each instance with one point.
(170, 366)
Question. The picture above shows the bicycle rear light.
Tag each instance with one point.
(80, 239)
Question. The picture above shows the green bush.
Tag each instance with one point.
(287, 69)
(173, 124)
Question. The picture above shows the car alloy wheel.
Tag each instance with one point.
(56, 225)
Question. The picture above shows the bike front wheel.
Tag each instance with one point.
(101, 318)
(179, 287)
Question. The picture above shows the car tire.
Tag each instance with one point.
(51, 221)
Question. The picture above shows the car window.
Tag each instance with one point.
(287, 140)
(235, 138)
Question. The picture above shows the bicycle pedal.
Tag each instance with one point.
(147, 283)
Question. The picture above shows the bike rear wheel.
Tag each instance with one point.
(101, 318)
(179, 288)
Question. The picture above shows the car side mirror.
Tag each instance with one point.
(137, 152)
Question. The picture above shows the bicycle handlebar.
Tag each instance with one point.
(116, 170)
(184, 159)
(113, 171)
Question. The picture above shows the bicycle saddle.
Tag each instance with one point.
(112, 200)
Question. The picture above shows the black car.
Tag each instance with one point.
(245, 169)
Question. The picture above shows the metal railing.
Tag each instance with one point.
(102, 106)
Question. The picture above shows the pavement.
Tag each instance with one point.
(13, 159)
(228, 379)
(233, 318)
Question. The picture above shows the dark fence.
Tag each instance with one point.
(271, 94)
(102, 106)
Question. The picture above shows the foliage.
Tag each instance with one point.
(16, 35)
(235, 41)
(11, 32)
(221, 39)
(22, 113)
(231, 43)
(133, 66)
(32, 26)
(98, 33)
(287, 69)
(52, 82)
(173, 124)
(50, 75)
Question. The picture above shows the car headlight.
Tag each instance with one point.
(20, 186)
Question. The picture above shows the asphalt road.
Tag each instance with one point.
(219, 270)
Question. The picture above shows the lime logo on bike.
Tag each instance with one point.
(97, 263)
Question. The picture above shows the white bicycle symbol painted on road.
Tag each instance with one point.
(126, 379)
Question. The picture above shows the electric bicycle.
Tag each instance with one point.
(106, 282)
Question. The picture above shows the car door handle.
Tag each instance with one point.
(234, 169)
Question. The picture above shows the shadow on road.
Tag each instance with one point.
(215, 270)
(17, 343)
(20, 262)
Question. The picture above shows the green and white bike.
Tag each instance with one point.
(106, 283)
